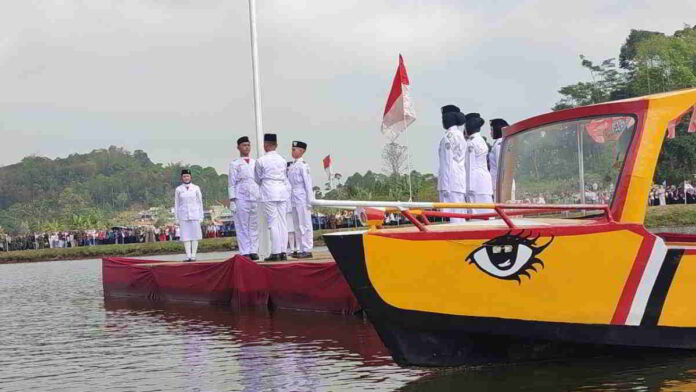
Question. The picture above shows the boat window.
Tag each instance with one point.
(571, 162)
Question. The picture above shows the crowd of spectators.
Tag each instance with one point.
(661, 195)
(145, 233)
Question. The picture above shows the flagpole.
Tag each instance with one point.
(264, 240)
(408, 160)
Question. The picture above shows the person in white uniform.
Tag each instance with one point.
(293, 241)
(188, 212)
(451, 176)
(479, 187)
(301, 198)
(244, 194)
(496, 125)
(269, 173)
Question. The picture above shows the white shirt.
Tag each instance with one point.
(240, 180)
(478, 178)
(269, 173)
(300, 182)
(188, 203)
(493, 160)
(451, 175)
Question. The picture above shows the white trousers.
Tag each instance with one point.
(191, 248)
(302, 219)
(454, 197)
(276, 215)
(480, 198)
(292, 242)
(246, 225)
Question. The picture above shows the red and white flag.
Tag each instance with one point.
(672, 125)
(327, 165)
(399, 112)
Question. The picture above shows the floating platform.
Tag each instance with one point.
(313, 284)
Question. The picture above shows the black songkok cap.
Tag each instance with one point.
(449, 109)
(498, 123)
(450, 119)
(473, 122)
(243, 139)
(270, 137)
(472, 115)
(185, 171)
(299, 144)
(461, 118)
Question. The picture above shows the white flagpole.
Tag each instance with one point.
(264, 240)
(408, 160)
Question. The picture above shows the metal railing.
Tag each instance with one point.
(413, 210)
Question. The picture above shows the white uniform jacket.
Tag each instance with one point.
(478, 177)
(493, 161)
(240, 180)
(301, 183)
(188, 203)
(451, 175)
(269, 173)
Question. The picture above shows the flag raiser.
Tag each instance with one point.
(399, 112)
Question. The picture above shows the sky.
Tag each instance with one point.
(174, 78)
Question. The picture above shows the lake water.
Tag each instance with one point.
(58, 334)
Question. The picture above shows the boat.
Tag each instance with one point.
(576, 271)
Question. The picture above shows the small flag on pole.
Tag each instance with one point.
(672, 129)
(399, 112)
(327, 165)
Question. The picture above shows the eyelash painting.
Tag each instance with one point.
(509, 256)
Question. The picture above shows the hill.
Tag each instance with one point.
(39, 193)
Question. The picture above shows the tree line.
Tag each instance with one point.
(649, 62)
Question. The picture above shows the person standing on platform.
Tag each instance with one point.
(451, 176)
(244, 194)
(301, 198)
(269, 173)
(188, 212)
(497, 125)
(479, 187)
(293, 241)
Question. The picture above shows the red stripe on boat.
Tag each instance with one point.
(631, 285)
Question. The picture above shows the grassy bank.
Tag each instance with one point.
(674, 215)
(128, 250)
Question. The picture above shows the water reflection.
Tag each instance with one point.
(58, 334)
(283, 350)
(675, 372)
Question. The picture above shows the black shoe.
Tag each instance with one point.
(187, 260)
(273, 257)
(304, 255)
(253, 256)
(283, 256)
(294, 254)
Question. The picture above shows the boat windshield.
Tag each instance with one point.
(571, 162)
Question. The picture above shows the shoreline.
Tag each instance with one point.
(207, 245)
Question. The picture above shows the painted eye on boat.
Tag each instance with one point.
(508, 256)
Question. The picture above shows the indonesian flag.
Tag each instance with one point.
(598, 129)
(327, 165)
(399, 112)
(672, 125)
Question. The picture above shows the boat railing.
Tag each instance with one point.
(424, 210)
